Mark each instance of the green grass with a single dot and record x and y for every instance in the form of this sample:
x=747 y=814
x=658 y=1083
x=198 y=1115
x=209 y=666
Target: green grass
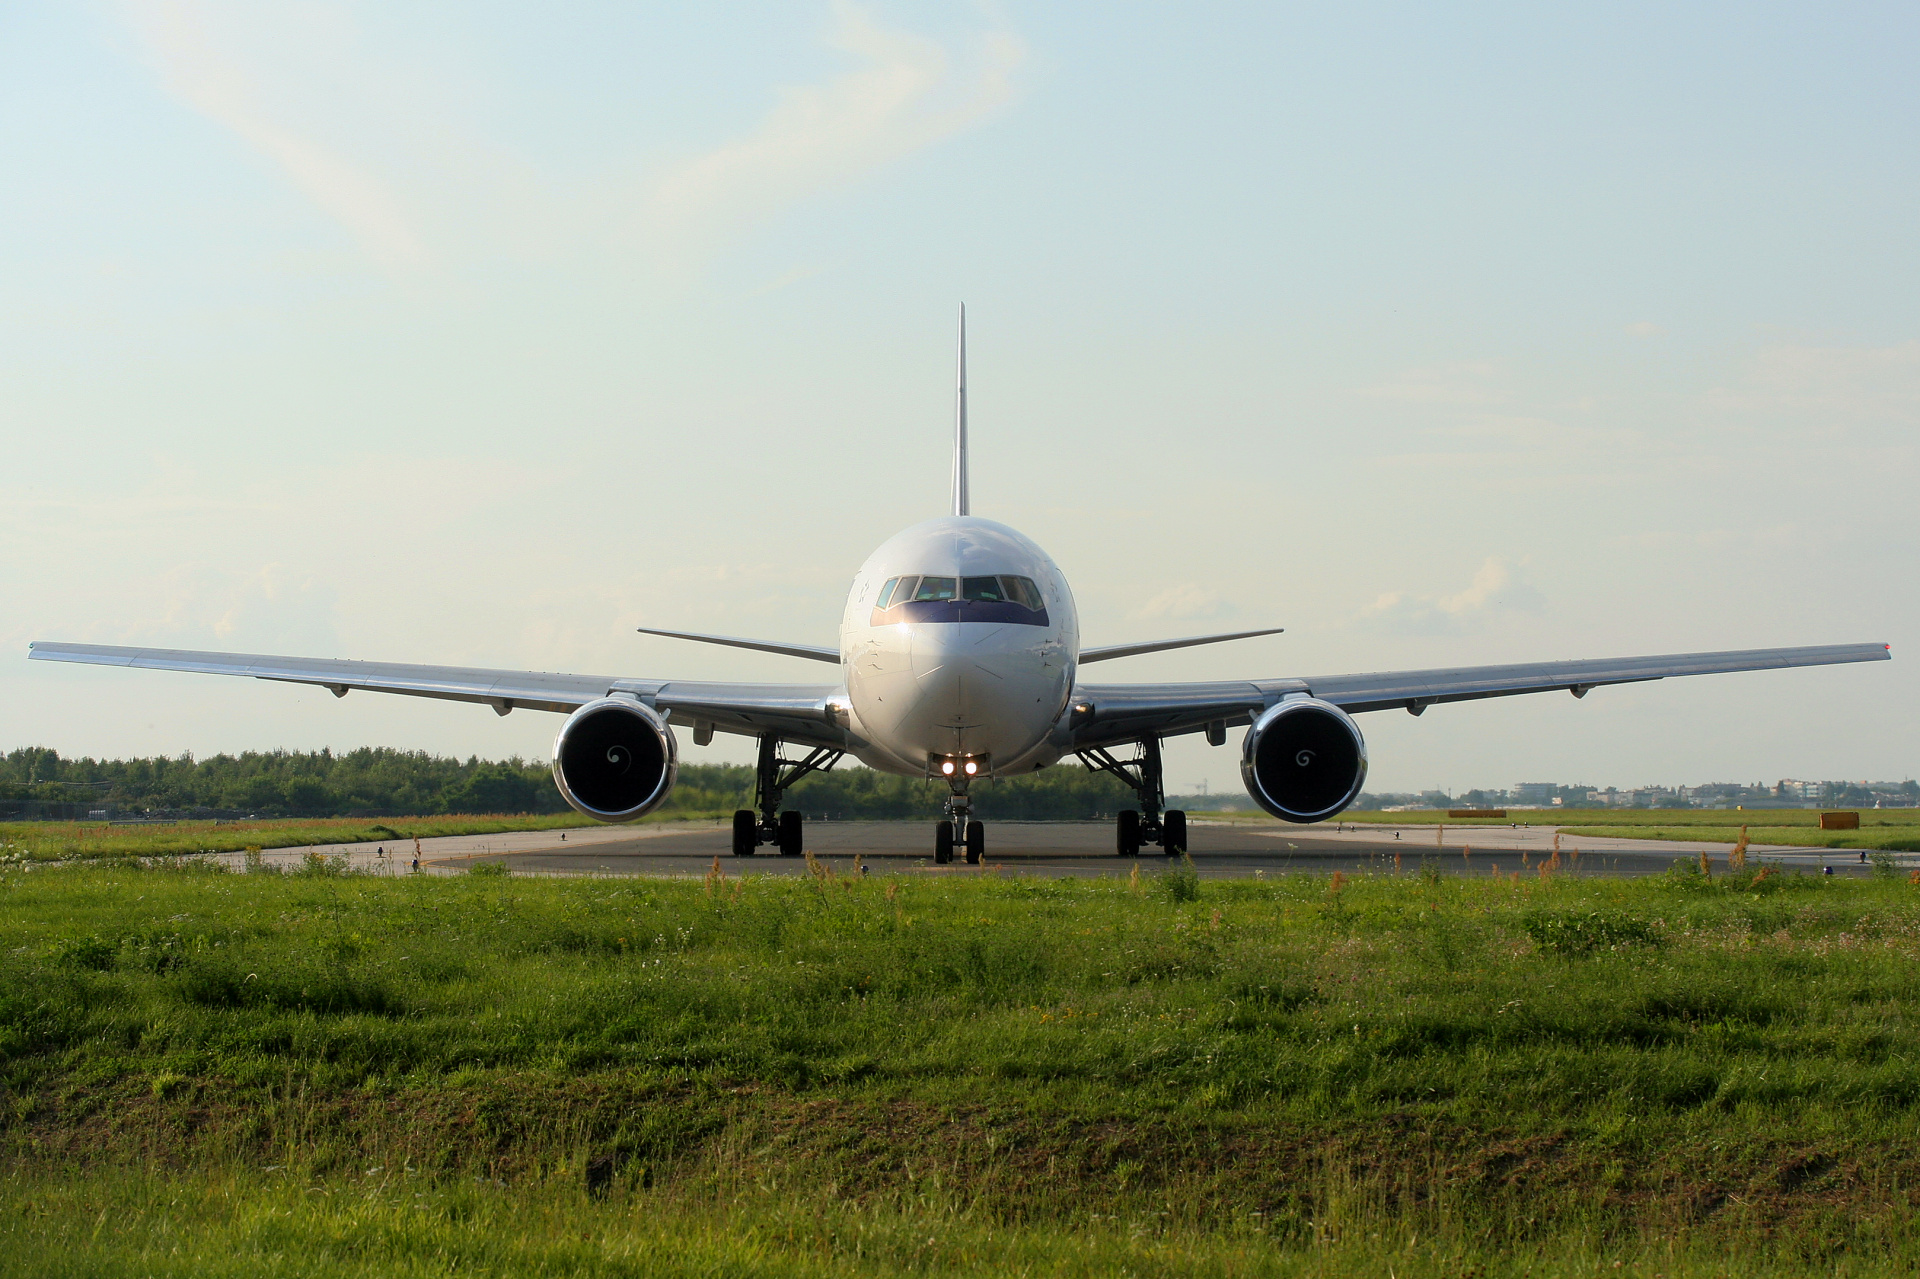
x=208 y=1073
x=1887 y=828
x=152 y=1223
x=62 y=841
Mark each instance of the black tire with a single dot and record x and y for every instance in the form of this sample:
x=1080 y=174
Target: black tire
x=976 y=843
x=793 y=839
x=943 y=843
x=746 y=833
x=1173 y=832
x=1127 y=833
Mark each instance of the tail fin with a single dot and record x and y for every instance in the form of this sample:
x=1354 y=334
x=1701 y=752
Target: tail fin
x=960 y=425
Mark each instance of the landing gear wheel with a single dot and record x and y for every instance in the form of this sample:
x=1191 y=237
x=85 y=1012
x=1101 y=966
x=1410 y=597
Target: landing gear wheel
x=746 y=833
x=792 y=841
x=943 y=843
x=976 y=843
x=1173 y=832
x=1127 y=833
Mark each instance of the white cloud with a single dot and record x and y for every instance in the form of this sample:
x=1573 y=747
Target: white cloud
x=787 y=279
x=299 y=85
x=903 y=98
x=181 y=37
x=1459 y=383
x=1185 y=600
x=275 y=608
x=1496 y=588
x=1836 y=381
x=1510 y=433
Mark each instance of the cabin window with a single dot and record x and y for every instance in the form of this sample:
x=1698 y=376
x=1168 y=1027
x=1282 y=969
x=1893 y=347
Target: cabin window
x=936 y=588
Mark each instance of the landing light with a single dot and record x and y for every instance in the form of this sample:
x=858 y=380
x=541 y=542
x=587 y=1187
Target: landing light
x=947 y=768
x=972 y=768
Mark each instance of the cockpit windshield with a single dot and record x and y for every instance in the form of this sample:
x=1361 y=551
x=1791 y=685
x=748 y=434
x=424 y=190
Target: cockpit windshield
x=1000 y=598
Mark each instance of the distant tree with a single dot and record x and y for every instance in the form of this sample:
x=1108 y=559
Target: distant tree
x=261 y=793
x=307 y=795
x=493 y=788
x=380 y=781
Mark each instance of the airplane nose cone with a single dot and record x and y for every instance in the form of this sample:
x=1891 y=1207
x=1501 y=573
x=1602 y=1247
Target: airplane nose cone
x=983 y=691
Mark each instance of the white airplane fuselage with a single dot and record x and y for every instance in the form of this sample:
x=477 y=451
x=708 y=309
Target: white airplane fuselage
x=958 y=644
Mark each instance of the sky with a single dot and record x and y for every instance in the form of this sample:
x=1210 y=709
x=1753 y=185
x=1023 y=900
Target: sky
x=483 y=333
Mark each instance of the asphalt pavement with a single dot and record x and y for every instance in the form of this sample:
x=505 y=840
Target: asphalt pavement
x=1087 y=849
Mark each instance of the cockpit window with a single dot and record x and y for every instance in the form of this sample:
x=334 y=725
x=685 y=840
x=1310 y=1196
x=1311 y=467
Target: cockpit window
x=1002 y=599
x=1022 y=591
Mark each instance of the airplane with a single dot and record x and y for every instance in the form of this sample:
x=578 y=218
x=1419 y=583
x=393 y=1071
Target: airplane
x=959 y=662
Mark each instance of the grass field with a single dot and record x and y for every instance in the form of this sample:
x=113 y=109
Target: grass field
x=1888 y=828
x=216 y=1074
x=61 y=841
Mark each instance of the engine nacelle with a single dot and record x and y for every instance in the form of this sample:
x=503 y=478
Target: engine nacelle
x=1305 y=760
x=615 y=760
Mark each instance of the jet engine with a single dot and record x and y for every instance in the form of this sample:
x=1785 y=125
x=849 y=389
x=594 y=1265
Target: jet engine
x=1305 y=760
x=615 y=760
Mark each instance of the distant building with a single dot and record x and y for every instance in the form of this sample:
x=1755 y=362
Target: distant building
x=1788 y=792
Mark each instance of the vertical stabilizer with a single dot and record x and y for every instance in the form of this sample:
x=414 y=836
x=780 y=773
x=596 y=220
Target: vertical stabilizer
x=960 y=425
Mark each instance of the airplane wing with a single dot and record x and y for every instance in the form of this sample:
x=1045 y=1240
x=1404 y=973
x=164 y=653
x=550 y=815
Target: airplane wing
x=797 y=712
x=812 y=652
x=1112 y=714
x=1110 y=651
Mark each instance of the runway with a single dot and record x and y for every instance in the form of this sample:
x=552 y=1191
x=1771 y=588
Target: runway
x=1055 y=849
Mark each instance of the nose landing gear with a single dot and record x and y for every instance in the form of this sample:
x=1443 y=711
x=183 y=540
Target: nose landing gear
x=770 y=784
x=1148 y=825
x=958 y=831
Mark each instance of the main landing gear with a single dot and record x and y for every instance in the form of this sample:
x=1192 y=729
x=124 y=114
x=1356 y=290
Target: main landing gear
x=1147 y=825
x=769 y=825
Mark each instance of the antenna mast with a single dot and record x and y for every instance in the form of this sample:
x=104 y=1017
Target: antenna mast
x=960 y=425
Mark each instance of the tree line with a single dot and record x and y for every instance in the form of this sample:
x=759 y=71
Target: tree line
x=384 y=782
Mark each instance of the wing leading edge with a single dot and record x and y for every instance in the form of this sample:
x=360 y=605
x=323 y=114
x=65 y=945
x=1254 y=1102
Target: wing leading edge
x=1110 y=651
x=798 y=712
x=811 y=652
x=1113 y=713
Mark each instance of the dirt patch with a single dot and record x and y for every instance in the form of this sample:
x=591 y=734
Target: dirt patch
x=1017 y=1162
